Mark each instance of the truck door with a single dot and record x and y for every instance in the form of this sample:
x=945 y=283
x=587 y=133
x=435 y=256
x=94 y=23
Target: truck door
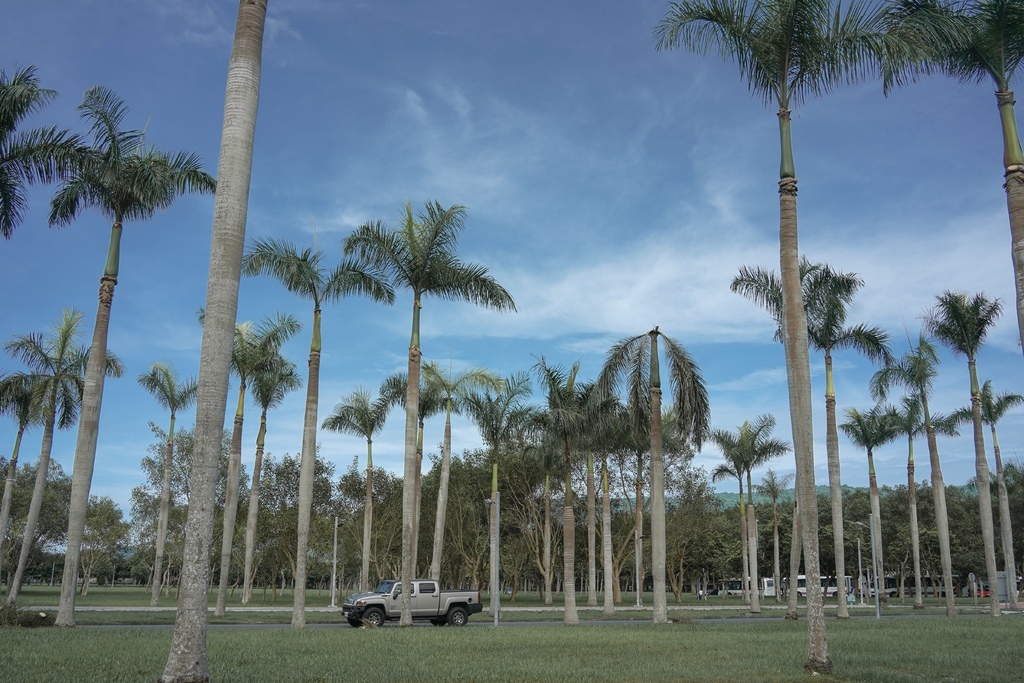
x=425 y=600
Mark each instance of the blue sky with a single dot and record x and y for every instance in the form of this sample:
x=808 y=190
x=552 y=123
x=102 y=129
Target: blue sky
x=609 y=187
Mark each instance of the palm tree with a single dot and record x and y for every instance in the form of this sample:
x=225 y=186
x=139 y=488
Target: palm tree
x=360 y=414
x=453 y=389
x=751 y=446
x=787 y=51
x=545 y=455
x=125 y=180
x=870 y=430
x=18 y=398
x=562 y=420
x=56 y=365
x=174 y=395
x=993 y=408
x=961 y=323
x=826 y=295
x=916 y=371
x=305 y=275
x=634 y=365
x=733 y=468
x=270 y=384
x=254 y=348
x=26 y=157
x=187 y=658
x=419 y=254
x=908 y=422
x=772 y=486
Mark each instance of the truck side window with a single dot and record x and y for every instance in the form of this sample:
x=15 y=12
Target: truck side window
x=427 y=588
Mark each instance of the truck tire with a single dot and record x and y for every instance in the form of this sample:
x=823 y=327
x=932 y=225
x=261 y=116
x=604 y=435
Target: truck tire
x=457 y=616
x=374 y=617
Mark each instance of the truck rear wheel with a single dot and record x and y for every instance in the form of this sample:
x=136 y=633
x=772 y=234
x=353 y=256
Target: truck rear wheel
x=374 y=617
x=457 y=616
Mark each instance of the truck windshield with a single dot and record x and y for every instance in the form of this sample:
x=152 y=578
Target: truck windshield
x=384 y=587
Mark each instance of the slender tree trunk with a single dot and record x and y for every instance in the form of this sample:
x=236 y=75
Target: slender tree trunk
x=755 y=600
x=657 y=495
x=492 y=519
x=416 y=507
x=915 y=534
x=307 y=470
x=548 y=598
x=591 y=533
x=367 y=518
x=984 y=491
x=442 y=497
x=777 y=575
x=876 y=523
x=412 y=400
x=88 y=432
x=744 y=553
x=795 y=552
x=165 y=512
x=230 y=504
x=835 y=486
x=1013 y=168
x=941 y=515
x=638 y=534
x=800 y=405
x=569 y=550
x=5 y=507
x=607 y=566
x=1005 y=528
x=34 y=507
x=186 y=662
x=254 y=510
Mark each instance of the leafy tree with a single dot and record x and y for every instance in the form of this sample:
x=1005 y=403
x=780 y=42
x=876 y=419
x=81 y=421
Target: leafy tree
x=961 y=323
x=18 y=398
x=51 y=520
x=362 y=415
x=772 y=487
x=26 y=157
x=270 y=385
x=419 y=254
x=174 y=395
x=125 y=180
x=105 y=535
x=187 y=658
x=306 y=275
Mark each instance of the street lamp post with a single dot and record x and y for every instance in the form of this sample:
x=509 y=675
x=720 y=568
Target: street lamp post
x=860 y=573
x=334 y=566
x=495 y=577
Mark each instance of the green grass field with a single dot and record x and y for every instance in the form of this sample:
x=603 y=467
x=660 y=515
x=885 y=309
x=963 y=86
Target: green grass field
x=962 y=650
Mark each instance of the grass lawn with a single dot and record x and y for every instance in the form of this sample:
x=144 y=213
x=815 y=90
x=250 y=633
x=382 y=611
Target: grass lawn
x=966 y=649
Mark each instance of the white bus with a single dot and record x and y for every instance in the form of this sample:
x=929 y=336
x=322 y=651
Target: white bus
x=831 y=590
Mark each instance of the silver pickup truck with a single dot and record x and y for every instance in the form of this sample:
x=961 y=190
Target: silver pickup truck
x=429 y=603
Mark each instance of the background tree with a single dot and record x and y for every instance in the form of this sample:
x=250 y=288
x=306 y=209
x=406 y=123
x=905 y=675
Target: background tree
x=362 y=415
x=105 y=537
x=125 y=180
x=305 y=275
x=174 y=395
x=18 y=398
x=772 y=487
x=419 y=255
x=26 y=157
x=186 y=661
x=908 y=422
x=961 y=323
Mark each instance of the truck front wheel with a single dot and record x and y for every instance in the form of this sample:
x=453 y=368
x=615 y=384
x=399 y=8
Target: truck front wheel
x=457 y=616
x=374 y=617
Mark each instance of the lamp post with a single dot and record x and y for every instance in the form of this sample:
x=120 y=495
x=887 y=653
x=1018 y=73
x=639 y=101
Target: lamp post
x=334 y=566
x=495 y=578
x=874 y=562
x=860 y=573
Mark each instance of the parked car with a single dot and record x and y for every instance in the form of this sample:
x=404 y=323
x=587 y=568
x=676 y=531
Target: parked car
x=428 y=602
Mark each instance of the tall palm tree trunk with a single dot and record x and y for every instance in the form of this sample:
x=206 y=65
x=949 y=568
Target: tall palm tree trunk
x=1005 y=528
x=777 y=569
x=915 y=535
x=984 y=491
x=492 y=520
x=835 y=486
x=5 y=507
x=88 y=433
x=795 y=552
x=416 y=507
x=638 y=533
x=161 y=525
x=1014 y=186
x=569 y=551
x=799 y=376
x=876 y=524
x=744 y=553
x=34 y=507
x=442 y=498
x=367 y=518
x=254 y=510
x=307 y=469
x=607 y=566
x=548 y=598
x=187 y=659
x=230 y=505
x=657 y=495
x=755 y=600
x=941 y=514
x=412 y=399
x=591 y=533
